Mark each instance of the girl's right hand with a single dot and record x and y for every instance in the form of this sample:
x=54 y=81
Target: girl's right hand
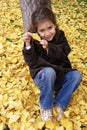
x=27 y=38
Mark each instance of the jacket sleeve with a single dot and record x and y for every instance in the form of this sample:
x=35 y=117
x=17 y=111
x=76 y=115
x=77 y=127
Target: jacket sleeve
x=30 y=56
x=61 y=49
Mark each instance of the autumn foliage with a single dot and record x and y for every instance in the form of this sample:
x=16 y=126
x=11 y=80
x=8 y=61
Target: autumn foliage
x=19 y=97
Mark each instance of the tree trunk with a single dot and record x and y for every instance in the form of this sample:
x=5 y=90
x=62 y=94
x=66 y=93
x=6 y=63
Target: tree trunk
x=27 y=8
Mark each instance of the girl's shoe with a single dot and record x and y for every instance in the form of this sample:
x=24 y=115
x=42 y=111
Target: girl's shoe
x=46 y=114
x=60 y=113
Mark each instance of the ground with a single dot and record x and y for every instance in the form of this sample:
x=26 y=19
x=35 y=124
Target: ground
x=19 y=97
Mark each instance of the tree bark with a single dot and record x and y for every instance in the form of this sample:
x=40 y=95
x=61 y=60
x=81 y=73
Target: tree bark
x=27 y=8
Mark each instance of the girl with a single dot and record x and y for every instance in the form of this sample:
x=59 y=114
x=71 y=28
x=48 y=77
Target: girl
x=49 y=65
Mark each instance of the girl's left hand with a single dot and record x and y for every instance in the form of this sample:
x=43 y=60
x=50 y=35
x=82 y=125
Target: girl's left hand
x=44 y=44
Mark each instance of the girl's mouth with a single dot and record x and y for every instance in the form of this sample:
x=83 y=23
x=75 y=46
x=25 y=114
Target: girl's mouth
x=49 y=38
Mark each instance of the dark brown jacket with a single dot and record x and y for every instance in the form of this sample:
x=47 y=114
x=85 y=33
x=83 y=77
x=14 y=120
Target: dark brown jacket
x=57 y=56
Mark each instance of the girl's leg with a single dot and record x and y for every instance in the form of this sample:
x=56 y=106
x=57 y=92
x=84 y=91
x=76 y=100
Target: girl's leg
x=45 y=79
x=69 y=84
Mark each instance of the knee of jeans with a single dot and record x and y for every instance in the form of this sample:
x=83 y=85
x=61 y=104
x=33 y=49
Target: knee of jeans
x=78 y=76
x=50 y=72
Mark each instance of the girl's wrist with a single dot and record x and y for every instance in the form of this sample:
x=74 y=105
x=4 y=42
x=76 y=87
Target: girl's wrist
x=27 y=44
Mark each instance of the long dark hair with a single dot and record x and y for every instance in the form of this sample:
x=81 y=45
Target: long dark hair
x=42 y=14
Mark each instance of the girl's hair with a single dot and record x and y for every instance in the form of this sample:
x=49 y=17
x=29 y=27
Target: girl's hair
x=42 y=14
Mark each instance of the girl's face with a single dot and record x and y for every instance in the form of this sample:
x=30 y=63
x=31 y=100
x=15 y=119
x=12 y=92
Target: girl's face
x=46 y=30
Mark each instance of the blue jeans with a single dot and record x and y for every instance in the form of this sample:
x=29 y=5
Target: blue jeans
x=54 y=91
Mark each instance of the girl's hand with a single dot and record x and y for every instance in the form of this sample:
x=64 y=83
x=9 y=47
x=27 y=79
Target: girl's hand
x=44 y=44
x=27 y=38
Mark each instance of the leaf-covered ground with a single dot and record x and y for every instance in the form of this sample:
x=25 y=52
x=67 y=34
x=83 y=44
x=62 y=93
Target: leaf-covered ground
x=19 y=97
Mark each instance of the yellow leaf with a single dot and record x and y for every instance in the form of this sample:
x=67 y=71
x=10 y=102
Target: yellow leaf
x=36 y=36
x=67 y=124
x=22 y=127
x=14 y=126
x=50 y=125
x=1 y=126
x=3 y=119
x=27 y=125
x=77 y=125
x=31 y=128
x=32 y=120
x=59 y=128
x=1 y=48
x=40 y=125
x=13 y=118
x=67 y=113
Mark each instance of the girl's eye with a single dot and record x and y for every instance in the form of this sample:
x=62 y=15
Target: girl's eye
x=42 y=30
x=50 y=27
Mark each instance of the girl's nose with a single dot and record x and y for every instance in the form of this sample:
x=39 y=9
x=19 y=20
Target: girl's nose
x=47 y=33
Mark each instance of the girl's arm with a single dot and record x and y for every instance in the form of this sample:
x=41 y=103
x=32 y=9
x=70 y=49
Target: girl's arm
x=29 y=51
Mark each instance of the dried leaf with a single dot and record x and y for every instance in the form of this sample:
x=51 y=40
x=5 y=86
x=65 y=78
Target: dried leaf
x=36 y=36
x=50 y=125
x=67 y=124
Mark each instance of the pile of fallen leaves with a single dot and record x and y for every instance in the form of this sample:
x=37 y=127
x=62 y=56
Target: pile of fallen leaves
x=19 y=97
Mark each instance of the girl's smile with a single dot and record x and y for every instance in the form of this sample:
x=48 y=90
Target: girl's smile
x=46 y=30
